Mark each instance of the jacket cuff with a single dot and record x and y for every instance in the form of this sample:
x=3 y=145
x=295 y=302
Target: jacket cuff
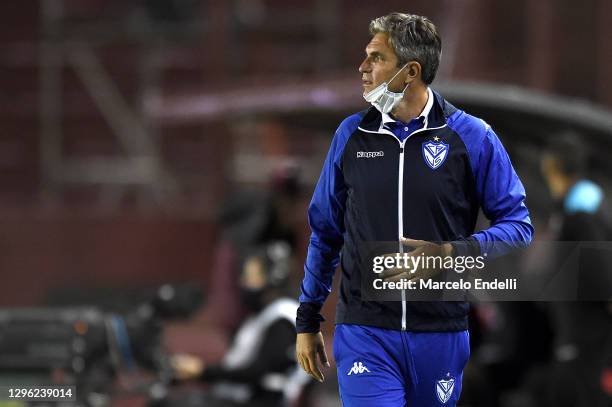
x=308 y=318
x=466 y=247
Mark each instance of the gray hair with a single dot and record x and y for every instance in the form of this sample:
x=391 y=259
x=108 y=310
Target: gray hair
x=413 y=38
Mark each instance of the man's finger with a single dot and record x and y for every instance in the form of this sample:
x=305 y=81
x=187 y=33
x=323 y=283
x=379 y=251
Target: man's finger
x=308 y=369
x=392 y=255
x=406 y=241
x=314 y=367
x=398 y=277
x=301 y=363
x=306 y=366
x=323 y=356
x=416 y=252
x=389 y=273
x=303 y=360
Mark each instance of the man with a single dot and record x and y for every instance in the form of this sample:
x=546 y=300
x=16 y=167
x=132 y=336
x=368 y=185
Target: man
x=412 y=166
x=580 y=359
x=260 y=368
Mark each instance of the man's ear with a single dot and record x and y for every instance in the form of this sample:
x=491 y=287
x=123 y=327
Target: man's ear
x=413 y=71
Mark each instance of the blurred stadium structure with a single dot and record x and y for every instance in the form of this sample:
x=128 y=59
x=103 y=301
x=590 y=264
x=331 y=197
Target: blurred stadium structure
x=136 y=118
x=124 y=124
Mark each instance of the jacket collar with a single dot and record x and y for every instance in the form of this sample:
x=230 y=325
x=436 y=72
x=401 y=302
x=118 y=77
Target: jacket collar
x=424 y=113
x=433 y=112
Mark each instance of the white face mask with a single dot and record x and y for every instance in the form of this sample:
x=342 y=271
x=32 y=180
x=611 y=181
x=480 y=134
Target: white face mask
x=382 y=98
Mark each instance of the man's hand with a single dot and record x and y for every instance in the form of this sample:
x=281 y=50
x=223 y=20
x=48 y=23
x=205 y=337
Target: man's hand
x=309 y=348
x=421 y=248
x=186 y=367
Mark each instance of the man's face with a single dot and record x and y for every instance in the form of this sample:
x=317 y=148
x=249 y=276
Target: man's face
x=253 y=274
x=550 y=168
x=379 y=65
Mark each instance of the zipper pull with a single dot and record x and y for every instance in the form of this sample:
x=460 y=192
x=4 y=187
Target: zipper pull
x=401 y=149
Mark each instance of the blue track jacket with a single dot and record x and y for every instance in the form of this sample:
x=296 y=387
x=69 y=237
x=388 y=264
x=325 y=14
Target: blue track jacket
x=374 y=187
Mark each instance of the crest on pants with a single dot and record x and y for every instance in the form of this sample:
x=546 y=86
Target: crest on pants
x=444 y=388
x=434 y=153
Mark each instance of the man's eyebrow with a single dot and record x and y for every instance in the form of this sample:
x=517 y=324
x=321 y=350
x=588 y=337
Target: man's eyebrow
x=373 y=53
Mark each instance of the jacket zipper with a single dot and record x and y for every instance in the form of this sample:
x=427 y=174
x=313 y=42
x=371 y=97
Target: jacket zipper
x=400 y=219
x=400 y=197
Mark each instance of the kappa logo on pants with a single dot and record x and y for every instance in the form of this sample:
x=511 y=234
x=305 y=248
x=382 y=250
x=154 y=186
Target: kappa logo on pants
x=358 y=368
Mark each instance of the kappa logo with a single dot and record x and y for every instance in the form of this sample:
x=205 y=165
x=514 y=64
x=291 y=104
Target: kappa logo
x=370 y=154
x=358 y=368
x=435 y=153
x=444 y=388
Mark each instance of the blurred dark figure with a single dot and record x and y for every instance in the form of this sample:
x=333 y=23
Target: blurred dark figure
x=249 y=218
x=582 y=329
x=260 y=368
x=508 y=339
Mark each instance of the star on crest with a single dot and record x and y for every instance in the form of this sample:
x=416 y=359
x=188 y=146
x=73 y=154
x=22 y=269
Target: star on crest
x=436 y=138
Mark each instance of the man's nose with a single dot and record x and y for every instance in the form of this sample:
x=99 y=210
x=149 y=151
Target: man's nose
x=365 y=66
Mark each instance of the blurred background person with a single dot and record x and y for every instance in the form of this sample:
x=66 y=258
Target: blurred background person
x=582 y=211
x=260 y=368
x=582 y=329
x=250 y=217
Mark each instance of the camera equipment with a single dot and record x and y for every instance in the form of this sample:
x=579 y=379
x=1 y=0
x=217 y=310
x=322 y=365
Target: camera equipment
x=88 y=346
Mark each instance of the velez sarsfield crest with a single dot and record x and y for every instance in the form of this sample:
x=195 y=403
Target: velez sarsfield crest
x=435 y=153
x=444 y=389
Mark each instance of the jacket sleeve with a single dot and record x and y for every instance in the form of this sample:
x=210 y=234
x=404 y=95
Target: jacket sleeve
x=274 y=355
x=326 y=220
x=502 y=198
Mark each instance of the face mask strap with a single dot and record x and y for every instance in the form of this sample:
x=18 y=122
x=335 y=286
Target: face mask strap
x=397 y=73
x=391 y=80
